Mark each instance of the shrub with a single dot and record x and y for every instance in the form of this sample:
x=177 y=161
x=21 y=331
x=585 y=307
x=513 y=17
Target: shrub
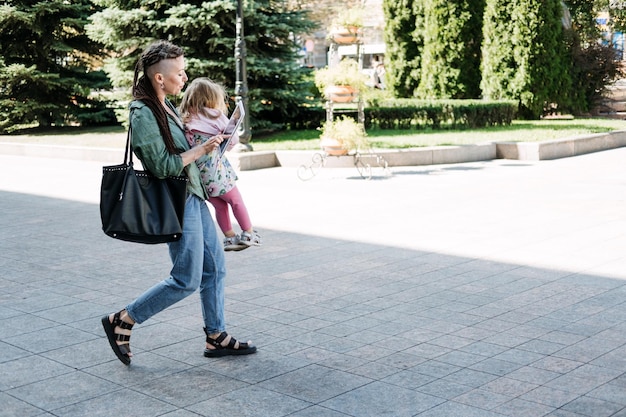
x=439 y=114
x=420 y=114
x=347 y=131
x=595 y=66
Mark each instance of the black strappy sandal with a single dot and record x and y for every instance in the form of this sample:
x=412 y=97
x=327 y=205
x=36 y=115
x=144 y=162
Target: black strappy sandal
x=122 y=350
x=243 y=349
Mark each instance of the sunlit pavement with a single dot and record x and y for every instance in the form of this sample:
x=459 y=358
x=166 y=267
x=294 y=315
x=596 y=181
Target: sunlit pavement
x=477 y=289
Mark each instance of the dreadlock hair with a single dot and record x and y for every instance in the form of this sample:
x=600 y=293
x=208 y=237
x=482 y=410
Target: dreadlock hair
x=144 y=91
x=202 y=94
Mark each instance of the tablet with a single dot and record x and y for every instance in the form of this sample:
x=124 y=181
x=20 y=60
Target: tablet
x=236 y=118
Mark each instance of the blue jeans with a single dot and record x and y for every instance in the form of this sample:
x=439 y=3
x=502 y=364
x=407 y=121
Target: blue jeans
x=198 y=262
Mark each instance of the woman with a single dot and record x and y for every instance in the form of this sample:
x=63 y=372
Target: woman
x=158 y=140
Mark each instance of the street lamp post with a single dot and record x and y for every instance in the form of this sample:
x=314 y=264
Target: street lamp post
x=241 y=83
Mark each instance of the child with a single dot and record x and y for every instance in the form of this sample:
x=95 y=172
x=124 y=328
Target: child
x=203 y=110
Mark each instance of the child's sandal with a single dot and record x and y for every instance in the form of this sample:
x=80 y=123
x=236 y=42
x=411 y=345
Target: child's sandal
x=244 y=348
x=122 y=350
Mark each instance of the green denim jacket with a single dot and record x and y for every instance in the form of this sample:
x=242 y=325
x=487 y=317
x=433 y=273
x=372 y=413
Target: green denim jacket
x=149 y=147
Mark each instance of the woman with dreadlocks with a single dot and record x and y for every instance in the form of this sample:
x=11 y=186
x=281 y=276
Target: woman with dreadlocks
x=158 y=139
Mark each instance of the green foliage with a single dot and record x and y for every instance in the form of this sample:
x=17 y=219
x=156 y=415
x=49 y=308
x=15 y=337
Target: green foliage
x=550 y=81
x=518 y=131
x=618 y=14
x=346 y=73
x=525 y=52
x=439 y=114
x=451 y=54
x=206 y=30
x=404 y=40
x=433 y=48
x=594 y=67
x=347 y=131
x=594 y=64
x=498 y=64
x=583 y=15
x=51 y=72
x=524 y=55
x=412 y=114
x=48 y=71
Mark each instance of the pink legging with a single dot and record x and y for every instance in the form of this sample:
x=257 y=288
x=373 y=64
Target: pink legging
x=234 y=199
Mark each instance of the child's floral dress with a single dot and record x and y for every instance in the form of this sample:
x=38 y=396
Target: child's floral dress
x=218 y=176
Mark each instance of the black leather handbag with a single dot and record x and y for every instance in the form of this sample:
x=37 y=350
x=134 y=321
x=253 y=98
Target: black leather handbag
x=136 y=206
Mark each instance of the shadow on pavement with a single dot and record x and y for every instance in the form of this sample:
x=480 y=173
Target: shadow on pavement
x=343 y=329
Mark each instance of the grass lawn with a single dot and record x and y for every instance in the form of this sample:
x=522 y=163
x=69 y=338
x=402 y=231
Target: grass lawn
x=519 y=131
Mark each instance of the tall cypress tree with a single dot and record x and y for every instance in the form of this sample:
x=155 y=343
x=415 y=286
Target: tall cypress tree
x=48 y=65
x=404 y=40
x=206 y=31
x=498 y=60
x=524 y=54
x=451 y=56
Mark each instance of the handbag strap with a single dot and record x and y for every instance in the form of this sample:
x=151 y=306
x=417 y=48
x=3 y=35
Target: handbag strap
x=128 y=153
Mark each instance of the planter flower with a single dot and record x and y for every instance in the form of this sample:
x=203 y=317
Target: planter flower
x=342 y=82
x=346 y=27
x=343 y=135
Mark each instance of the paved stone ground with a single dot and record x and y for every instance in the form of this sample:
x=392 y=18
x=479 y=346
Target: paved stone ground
x=481 y=289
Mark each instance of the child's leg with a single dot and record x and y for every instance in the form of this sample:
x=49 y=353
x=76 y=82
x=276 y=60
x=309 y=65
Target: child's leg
x=249 y=237
x=222 y=215
x=234 y=199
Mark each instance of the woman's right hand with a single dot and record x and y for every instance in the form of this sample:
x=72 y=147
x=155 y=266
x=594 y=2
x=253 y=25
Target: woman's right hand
x=212 y=144
x=203 y=149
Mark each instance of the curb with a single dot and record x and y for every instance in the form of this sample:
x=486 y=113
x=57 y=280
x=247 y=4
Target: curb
x=561 y=148
x=247 y=161
x=112 y=155
x=525 y=151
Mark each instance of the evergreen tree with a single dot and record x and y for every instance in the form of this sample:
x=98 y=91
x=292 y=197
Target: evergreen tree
x=595 y=65
x=404 y=39
x=206 y=31
x=583 y=14
x=524 y=55
x=48 y=67
x=498 y=61
x=451 y=54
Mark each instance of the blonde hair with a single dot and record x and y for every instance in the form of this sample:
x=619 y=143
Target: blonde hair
x=203 y=93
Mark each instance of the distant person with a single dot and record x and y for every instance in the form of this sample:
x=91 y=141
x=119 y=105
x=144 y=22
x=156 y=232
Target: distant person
x=378 y=75
x=203 y=109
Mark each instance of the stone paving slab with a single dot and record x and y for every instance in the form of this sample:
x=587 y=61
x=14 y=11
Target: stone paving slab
x=482 y=289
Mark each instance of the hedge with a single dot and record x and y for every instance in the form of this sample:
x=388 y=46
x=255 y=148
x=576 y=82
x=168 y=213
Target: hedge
x=439 y=114
x=412 y=114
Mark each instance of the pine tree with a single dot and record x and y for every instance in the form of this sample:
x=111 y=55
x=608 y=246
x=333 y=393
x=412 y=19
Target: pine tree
x=48 y=67
x=450 y=64
x=206 y=31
